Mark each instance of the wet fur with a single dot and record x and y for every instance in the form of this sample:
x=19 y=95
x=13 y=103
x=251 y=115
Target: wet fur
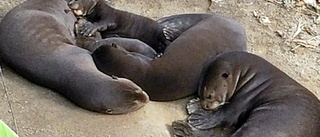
x=176 y=73
x=95 y=41
x=38 y=42
x=263 y=100
x=110 y=21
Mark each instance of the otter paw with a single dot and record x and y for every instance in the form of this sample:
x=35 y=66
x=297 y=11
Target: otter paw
x=182 y=129
x=193 y=105
x=88 y=29
x=202 y=119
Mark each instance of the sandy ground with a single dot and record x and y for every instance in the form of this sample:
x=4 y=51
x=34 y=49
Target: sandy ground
x=35 y=111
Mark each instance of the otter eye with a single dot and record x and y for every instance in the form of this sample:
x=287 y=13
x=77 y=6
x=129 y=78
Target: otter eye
x=114 y=45
x=109 y=111
x=225 y=75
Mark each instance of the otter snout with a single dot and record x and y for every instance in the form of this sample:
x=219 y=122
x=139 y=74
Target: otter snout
x=76 y=8
x=207 y=105
x=144 y=97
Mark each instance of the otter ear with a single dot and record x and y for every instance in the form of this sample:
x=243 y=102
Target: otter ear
x=225 y=75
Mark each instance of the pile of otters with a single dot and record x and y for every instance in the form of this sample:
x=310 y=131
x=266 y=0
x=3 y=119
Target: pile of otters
x=111 y=61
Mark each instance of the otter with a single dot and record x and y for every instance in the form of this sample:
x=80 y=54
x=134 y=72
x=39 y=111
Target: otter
x=244 y=90
x=38 y=42
x=109 y=21
x=176 y=73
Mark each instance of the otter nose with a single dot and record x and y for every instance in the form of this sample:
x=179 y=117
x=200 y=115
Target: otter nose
x=211 y=105
x=143 y=97
x=206 y=107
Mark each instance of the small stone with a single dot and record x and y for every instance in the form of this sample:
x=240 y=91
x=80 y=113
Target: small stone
x=255 y=14
x=264 y=19
x=280 y=33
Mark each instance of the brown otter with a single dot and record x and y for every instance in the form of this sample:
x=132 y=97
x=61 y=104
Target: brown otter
x=41 y=48
x=177 y=72
x=91 y=43
x=110 y=21
x=256 y=97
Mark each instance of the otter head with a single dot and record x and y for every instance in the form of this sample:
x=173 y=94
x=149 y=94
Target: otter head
x=110 y=53
x=82 y=7
x=129 y=97
x=110 y=59
x=216 y=85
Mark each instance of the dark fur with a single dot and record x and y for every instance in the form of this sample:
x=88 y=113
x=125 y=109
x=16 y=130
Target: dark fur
x=110 y=21
x=38 y=42
x=176 y=74
x=175 y=25
x=262 y=100
x=93 y=42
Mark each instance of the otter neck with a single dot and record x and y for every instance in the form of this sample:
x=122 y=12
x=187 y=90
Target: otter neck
x=251 y=81
x=101 y=11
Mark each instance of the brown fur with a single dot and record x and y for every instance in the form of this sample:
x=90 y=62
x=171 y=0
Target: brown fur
x=38 y=42
x=262 y=101
x=110 y=21
x=176 y=73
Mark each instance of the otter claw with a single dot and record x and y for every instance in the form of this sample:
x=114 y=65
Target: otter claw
x=182 y=129
x=193 y=105
x=202 y=119
x=87 y=29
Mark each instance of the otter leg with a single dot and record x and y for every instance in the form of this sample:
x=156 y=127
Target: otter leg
x=184 y=129
x=88 y=29
x=227 y=115
x=131 y=45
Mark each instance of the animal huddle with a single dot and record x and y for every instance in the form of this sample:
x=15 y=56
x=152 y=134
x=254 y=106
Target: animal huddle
x=111 y=61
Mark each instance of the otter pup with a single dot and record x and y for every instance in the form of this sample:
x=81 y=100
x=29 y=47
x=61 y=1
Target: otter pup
x=109 y=22
x=95 y=41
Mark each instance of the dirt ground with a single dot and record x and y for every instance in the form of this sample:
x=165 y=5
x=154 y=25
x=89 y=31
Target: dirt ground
x=285 y=32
